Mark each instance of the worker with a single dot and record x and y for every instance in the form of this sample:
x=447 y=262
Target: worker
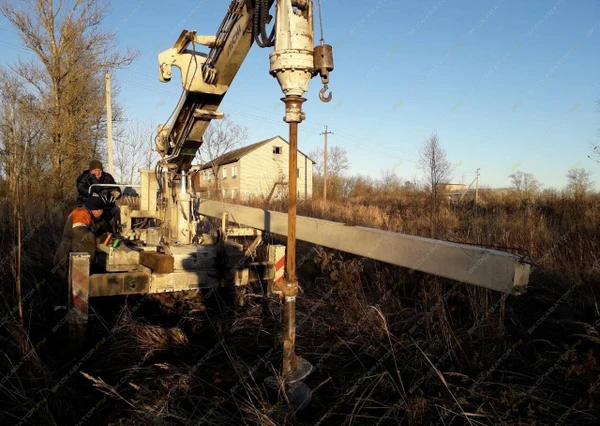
x=79 y=234
x=95 y=175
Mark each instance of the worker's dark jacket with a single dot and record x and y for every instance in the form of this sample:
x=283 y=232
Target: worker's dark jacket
x=86 y=179
x=78 y=236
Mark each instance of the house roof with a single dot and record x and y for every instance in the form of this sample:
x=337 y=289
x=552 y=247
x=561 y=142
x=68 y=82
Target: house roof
x=236 y=154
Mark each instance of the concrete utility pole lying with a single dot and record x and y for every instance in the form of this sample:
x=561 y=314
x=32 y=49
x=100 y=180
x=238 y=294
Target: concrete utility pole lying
x=491 y=269
x=482 y=267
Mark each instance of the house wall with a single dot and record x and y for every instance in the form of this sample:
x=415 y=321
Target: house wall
x=257 y=173
x=228 y=182
x=261 y=169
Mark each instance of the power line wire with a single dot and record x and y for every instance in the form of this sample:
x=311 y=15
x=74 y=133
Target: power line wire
x=263 y=119
x=14 y=46
x=361 y=143
x=9 y=31
x=317 y=126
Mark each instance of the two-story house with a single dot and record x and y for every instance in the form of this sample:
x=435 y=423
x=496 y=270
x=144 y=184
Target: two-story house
x=258 y=170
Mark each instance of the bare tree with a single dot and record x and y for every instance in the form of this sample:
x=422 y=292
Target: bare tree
x=337 y=164
x=358 y=186
x=221 y=137
x=21 y=133
x=390 y=183
x=337 y=160
x=435 y=165
x=525 y=183
x=438 y=170
x=595 y=155
x=579 y=182
x=349 y=186
x=411 y=185
x=71 y=54
x=134 y=150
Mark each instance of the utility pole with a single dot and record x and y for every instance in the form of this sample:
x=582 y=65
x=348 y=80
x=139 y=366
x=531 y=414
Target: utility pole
x=109 y=125
x=326 y=132
x=477 y=185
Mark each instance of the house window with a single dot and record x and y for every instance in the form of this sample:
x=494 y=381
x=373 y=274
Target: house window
x=298 y=172
x=208 y=175
x=224 y=172
x=233 y=171
x=233 y=193
x=224 y=192
x=276 y=150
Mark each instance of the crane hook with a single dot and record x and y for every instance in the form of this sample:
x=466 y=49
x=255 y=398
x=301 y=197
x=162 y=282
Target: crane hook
x=322 y=94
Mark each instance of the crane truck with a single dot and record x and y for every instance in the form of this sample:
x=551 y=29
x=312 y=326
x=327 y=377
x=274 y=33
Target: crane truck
x=164 y=249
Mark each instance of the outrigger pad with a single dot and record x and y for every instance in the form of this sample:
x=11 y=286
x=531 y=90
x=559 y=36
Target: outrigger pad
x=160 y=263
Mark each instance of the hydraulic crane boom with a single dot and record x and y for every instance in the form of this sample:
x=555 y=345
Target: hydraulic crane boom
x=207 y=77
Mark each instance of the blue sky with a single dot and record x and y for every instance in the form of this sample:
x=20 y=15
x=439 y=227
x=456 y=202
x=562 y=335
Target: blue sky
x=507 y=84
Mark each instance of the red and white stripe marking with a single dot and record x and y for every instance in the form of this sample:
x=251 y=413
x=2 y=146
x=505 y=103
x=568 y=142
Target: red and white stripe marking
x=277 y=256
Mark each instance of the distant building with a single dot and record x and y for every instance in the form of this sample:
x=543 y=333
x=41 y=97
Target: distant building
x=257 y=170
x=457 y=191
x=445 y=188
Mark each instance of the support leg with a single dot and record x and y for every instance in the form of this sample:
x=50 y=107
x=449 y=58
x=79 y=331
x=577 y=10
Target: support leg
x=79 y=293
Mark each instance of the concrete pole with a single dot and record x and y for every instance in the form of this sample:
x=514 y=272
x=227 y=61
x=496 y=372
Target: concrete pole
x=467 y=190
x=325 y=164
x=325 y=168
x=109 y=125
x=477 y=186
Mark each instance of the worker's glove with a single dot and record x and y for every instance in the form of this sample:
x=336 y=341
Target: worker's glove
x=110 y=196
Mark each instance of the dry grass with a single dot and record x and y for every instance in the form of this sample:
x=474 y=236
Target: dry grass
x=388 y=347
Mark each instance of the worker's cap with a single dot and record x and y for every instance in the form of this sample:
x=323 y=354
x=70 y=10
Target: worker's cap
x=95 y=164
x=94 y=203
